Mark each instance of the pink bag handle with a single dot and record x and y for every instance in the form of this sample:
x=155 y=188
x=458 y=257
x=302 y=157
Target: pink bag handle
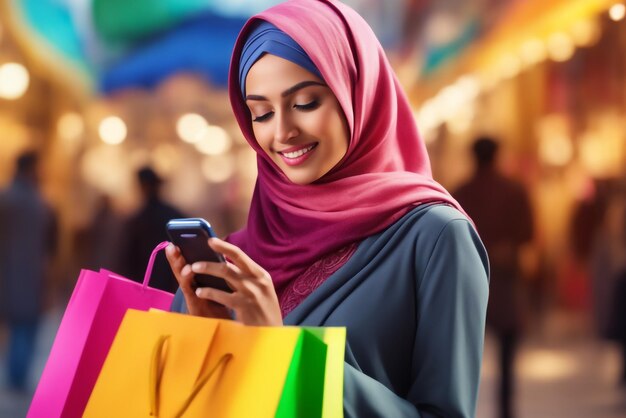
x=146 y=278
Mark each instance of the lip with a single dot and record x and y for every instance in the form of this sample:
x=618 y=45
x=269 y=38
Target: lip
x=300 y=159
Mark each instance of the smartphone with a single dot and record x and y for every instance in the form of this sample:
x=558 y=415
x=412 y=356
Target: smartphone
x=191 y=236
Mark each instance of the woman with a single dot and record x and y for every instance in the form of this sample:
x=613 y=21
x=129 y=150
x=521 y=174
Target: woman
x=346 y=225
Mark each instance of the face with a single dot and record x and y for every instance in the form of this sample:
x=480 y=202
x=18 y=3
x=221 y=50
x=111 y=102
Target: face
x=296 y=119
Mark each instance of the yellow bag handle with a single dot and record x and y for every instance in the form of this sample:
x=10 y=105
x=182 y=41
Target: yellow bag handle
x=156 y=372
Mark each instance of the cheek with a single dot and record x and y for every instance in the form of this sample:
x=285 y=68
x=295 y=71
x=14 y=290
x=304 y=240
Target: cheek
x=262 y=136
x=329 y=122
x=338 y=131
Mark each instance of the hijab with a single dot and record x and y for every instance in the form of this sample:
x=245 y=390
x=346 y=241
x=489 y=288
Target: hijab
x=386 y=170
x=266 y=38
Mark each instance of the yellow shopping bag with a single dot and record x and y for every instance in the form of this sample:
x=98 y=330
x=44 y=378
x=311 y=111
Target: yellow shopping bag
x=167 y=365
x=335 y=339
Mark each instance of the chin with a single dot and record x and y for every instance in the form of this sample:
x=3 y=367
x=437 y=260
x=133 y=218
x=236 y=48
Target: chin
x=300 y=180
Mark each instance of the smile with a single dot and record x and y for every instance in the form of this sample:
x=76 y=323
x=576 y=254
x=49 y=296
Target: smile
x=297 y=156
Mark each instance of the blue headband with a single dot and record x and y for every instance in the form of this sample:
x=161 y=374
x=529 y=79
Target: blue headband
x=267 y=38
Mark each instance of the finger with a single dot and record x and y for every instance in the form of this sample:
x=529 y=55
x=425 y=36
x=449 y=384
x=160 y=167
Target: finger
x=174 y=257
x=185 y=279
x=215 y=295
x=223 y=270
x=177 y=264
x=226 y=271
x=237 y=256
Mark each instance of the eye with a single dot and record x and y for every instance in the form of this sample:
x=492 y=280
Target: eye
x=263 y=117
x=312 y=105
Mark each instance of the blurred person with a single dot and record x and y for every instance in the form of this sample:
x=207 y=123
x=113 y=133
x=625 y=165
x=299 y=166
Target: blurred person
x=617 y=331
x=501 y=210
x=608 y=274
x=27 y=241
x=144 y=230
x=347 y=226
x=101 y=239
x=608 y=259
x=585 y=225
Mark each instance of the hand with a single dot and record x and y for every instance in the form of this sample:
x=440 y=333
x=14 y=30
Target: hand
x=254 y=299
x=184 y=276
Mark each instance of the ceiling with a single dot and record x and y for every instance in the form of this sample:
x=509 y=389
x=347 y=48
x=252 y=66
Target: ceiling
x=112 y=44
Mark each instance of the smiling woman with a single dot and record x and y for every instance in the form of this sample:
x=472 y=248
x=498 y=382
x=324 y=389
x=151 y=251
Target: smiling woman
x=296 y=119
x=347 y=226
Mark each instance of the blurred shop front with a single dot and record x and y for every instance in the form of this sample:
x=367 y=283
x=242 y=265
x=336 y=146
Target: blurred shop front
x=549 y=81
x=94 y=135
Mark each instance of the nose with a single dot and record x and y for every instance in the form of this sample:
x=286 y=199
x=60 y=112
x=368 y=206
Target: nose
x=286 y=128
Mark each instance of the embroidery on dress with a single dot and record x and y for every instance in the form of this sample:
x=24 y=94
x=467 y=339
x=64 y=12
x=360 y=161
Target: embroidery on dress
x=312 y=278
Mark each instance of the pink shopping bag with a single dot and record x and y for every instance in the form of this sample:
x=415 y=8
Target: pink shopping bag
x=90 y=322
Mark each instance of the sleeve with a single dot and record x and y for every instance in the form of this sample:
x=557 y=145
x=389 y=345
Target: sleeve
x=451 y=298
x=178 y=304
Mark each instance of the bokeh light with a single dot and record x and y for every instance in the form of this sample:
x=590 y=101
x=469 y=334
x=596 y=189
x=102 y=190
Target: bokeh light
x=533 y=51
x=190 y=126
x=112 y=130
x=107 y=169
x=548 y=365
x=166 y=158
x=14 y=80
x=560 y=47
x=213 y=140
x=217 y=169
x=617 y=12
x=586 y=32
x=510 y=66
x=555 y=144
x=70 y=126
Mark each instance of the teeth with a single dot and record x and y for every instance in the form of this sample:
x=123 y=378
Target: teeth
x=298 y=153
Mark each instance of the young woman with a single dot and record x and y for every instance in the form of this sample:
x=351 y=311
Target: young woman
x=346 y=225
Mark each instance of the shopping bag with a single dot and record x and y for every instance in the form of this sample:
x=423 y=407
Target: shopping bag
x=335 y=339
x=87 y=330
x=168 y=365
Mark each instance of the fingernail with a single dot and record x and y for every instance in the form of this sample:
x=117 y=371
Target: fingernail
x=198 y=292
x=186 y=270
x=196 y=267
x=169 y=248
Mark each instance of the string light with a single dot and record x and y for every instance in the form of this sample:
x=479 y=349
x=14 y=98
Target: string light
x=533 y=51
x=560 y=47
x=585 y=32
x=510 y=66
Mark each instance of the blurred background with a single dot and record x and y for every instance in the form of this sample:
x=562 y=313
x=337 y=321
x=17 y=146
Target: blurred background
x=103 y=88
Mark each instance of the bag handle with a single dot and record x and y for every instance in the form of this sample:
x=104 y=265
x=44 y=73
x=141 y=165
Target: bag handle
x=159 y=247
x=156 y=373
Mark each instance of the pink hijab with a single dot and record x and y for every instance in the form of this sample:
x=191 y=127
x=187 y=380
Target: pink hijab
x=385 y=172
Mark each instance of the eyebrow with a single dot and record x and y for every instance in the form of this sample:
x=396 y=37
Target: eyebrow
x=289 y=91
